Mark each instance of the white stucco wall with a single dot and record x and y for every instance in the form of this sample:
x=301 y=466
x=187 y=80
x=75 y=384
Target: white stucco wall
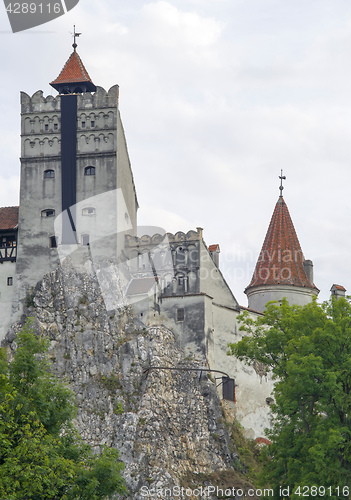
x=260 y=295
x=7 y=293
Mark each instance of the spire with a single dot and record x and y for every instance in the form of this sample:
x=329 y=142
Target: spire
x=281 y=187
x=75 y=35
x=73 y=78
x=281 y=261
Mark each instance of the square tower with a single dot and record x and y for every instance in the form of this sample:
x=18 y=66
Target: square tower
x=77 y=194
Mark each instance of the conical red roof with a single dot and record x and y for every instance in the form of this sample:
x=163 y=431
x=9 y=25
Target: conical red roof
x=73 y=72
x=281 y=261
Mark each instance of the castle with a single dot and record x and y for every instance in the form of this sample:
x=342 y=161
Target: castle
x=78 y=201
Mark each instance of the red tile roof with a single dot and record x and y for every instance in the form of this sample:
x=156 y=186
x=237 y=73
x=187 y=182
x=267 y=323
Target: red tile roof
x=339 y=287
x=8 y=218
x=213 y=248
x=73 y=71
x=281 y=260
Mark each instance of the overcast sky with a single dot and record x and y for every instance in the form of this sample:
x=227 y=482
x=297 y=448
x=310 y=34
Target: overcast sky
x=216 y=96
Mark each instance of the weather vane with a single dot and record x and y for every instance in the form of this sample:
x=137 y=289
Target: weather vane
x=281 y=187
x=75 y=35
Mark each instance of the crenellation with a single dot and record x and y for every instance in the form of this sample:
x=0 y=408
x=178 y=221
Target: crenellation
x=39 y=103
x=134 y=241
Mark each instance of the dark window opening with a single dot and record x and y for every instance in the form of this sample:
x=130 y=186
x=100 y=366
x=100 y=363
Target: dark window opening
x=89 y=171
x=53 y=242
x=228 y=385
x=10 y=281
x=49 y=212
x=49 y=174
x=8 y=241
x=92 y=123
x=55 y=126
x=88 y=211
x=180 y=314
x=83 y=124
x=46 y=128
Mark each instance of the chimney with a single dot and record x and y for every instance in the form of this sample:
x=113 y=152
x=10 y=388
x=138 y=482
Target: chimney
x=337 y=291
x=214 y=252
x=308 y=267
x=199 y=232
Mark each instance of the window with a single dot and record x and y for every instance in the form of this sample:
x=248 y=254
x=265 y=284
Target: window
x=85 y=240
x=180 y=314
x=52 y=242
x=89 y=171
x=49 y=174
x=92 y=123
x=10 y=281
x=55 y=126
x=49 y=212
x=228 y=385
x=83 y=124
x=46 y=127
x=89 y=211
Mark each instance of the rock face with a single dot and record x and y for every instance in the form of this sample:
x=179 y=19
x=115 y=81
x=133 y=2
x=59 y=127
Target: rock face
x=165 y=423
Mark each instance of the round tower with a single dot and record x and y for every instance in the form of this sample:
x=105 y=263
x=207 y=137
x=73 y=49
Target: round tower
x=281 y=269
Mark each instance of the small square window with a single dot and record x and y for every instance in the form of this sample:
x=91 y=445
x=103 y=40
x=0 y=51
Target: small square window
x=92 y=123
x=46 y=127
x=55 y=126
x=10 y=281
x=83 y=124
x=180 y=314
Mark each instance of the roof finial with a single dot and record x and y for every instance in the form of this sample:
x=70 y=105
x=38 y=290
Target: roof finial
x=281 y=187
x=74 y=45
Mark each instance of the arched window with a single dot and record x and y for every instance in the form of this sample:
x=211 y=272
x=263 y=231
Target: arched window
x=89 y=171
x=89 y=211
x=49 y=174
x=48 y=212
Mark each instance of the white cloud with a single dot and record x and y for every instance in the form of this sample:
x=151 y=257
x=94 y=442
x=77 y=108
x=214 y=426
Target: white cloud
x=178 y=29
x=9 y=191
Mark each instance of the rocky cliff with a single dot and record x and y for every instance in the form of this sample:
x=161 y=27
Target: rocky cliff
x=167 y=424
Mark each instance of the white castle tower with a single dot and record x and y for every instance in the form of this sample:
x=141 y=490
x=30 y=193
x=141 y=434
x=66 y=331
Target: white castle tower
x=77 y=191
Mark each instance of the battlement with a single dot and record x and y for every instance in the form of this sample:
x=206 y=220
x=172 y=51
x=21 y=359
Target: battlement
x=156 y=239
x=40 y=104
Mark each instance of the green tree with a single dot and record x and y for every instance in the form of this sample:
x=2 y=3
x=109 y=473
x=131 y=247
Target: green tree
x=41 y=454
x=308 y=350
